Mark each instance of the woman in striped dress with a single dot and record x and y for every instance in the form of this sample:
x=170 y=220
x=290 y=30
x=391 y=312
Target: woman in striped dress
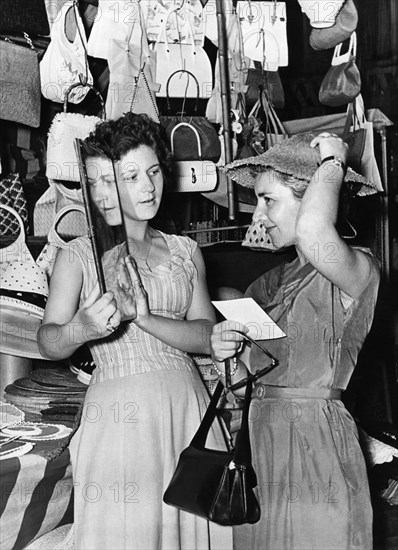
x=146 y=398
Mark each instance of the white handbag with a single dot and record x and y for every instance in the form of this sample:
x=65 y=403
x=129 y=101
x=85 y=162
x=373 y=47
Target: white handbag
x=65 y=128
x=192 y=175
x=65 y=63
x=264 y=32
x=172 y=57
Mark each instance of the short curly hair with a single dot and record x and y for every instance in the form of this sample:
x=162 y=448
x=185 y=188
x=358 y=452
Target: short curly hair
x=115 y=138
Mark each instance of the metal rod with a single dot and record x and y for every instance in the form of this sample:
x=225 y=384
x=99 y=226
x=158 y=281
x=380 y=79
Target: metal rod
x=225 y=101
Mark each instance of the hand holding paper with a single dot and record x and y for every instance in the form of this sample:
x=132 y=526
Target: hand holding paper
x=249 y=313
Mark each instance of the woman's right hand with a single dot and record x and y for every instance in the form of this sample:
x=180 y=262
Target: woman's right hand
x=224 y=341
x=98 y=315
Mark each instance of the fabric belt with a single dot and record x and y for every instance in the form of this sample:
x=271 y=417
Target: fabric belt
x=262 y=391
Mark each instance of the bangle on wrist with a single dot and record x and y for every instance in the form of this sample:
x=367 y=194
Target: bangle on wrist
x=335 y=160
x=233 y=370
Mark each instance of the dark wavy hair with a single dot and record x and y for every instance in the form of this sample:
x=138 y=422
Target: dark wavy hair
x=115 y=138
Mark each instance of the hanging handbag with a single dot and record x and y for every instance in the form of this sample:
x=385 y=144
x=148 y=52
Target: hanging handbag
x=65 y=62
x=264 y=32
x=19 y=16
x=61 y=155
x=191 y=175
x=132 y=67
x=12 y=194
x=342 y=82
x=184 y=143
x=345 y=24
x=217 y=485
x=20 y=99
x=174 y=57
x=47 y=256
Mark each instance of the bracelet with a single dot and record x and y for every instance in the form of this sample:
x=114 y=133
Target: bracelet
x=233 y=370
x=337 y=161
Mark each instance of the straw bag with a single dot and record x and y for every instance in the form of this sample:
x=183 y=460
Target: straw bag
x=47 y=256
x=65 y=63
x=342 y=82
x=345 y=24
x=20 y=99
x=173 y=57
x=65 y=127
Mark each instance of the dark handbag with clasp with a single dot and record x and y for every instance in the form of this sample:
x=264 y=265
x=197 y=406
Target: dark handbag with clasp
x=185 y=141
x=219 y=485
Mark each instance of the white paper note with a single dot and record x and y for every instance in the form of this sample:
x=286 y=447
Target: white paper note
x=249 y=313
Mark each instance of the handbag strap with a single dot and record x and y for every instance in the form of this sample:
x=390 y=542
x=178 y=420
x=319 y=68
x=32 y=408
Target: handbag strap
x=185 y=95
x=194 y=130
x=339 y=58
x=21 y=237
x=85 y=85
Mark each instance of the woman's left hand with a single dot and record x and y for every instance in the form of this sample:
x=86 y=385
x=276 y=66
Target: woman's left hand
x=330 y=145
x=131 y=296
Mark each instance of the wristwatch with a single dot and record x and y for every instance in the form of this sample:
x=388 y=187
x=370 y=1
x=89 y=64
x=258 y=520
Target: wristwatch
x=337 y=161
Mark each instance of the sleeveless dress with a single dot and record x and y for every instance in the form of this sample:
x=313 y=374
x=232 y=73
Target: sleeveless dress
x=142 y=408
x=312 y=480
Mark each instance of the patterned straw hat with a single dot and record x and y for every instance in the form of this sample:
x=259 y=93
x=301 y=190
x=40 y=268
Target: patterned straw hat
x=293 y=157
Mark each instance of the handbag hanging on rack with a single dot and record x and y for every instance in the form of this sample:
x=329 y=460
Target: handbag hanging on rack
x=65 y=62
x=61 y=155
x=184 y=143
x=20 y=98
x=132 y=68
x=173 y=57
x=342 y=82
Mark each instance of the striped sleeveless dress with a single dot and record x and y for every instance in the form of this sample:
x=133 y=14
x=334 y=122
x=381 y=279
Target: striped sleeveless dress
x=144 y=403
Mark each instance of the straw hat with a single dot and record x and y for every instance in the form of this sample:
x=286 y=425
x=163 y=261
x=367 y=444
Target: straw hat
x=293 y=157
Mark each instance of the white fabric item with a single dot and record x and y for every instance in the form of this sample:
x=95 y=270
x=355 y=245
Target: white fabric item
x=65 y=63
x=114 y=21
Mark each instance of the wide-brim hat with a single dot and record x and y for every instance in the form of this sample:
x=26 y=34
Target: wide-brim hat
x=293 y=157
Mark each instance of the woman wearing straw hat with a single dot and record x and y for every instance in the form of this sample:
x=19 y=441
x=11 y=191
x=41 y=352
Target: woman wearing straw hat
x=312 y=481
x=145 y=398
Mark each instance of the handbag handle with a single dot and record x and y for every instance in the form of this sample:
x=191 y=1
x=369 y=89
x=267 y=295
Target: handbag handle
x=52 y=234
x=242 y=446
x=262 y=32
x=339 y=58
x=194 y=130
x=21 y=236
x=85 y=85
x=168 y=87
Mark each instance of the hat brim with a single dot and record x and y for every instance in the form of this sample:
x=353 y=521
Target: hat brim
x=292 y=157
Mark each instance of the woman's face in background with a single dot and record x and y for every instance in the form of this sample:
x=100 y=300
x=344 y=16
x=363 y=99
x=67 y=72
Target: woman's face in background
x=140 y=184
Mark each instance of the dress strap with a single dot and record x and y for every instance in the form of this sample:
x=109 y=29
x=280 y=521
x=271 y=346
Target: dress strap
x=262 y=391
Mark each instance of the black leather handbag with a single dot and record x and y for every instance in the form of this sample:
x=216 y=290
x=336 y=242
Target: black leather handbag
x=217 y=485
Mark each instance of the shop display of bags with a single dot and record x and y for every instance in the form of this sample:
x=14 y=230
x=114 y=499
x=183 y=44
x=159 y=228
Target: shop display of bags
x=342 y=82
x=20 y=99
x=65 y=61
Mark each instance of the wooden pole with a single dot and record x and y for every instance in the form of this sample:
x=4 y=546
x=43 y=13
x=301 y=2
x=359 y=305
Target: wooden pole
x=225 y=100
